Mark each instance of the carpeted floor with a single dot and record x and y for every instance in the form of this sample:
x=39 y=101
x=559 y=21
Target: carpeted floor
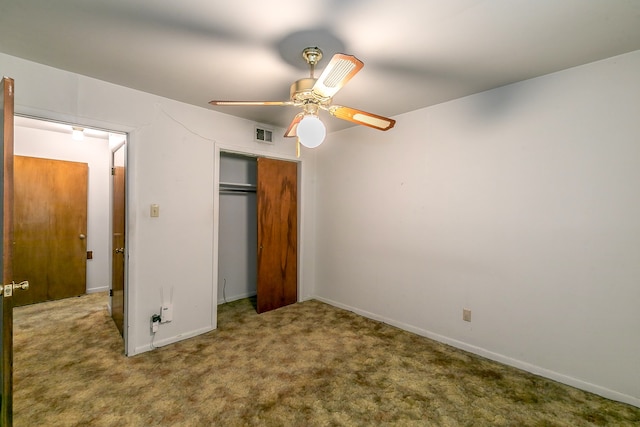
x=307 y=364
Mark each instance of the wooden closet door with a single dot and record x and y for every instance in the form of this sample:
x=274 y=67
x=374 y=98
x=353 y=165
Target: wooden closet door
x=277 y=234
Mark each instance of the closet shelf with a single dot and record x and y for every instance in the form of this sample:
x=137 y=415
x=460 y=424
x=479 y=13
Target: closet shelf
x=237 y=188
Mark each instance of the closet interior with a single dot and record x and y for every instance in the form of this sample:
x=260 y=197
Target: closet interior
x=237 y=235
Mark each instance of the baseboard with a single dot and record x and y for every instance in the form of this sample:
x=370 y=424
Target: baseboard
x=96 y=290
x=157 y=343
x=236 y=297
x=556 y=376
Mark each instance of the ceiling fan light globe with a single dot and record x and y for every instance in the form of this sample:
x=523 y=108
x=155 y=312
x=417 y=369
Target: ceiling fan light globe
x=311 y=131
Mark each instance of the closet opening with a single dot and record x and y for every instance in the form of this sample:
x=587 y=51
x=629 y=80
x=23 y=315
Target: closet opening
x=257 y=231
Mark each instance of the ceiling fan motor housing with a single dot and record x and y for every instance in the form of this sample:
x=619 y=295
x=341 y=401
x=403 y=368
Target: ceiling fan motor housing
x=301 y=91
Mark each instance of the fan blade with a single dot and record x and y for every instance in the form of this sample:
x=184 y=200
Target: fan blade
x=339 y=71
x=293 y=126
x=361 y=117
x=250 y=103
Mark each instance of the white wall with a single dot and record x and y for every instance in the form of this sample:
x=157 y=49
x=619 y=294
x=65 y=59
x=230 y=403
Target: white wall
x=521 y=204
x=95 y=152
x=171 y=160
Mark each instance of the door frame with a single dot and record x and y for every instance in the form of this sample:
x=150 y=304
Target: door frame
x=129 y=134
x=247 y=151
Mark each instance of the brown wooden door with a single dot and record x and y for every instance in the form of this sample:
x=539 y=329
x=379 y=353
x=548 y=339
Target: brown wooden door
x=6 y=303
x=50 y=228
x=277 y=234
x=118 y=255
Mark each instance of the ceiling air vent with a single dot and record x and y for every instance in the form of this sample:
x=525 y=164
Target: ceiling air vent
x=263 y=135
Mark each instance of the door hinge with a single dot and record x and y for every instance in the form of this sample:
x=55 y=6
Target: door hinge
x=7 y=290
x=110 y=292
x=113 y=171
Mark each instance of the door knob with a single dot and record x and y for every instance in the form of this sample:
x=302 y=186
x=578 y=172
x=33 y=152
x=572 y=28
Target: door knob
x=82 y=237
x=24 y=285
x=119 y=250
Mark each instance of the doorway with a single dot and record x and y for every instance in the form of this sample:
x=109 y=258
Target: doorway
x=47 y=139
x=257 y=238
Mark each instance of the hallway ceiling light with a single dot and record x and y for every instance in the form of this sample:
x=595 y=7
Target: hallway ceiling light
x=77 y=134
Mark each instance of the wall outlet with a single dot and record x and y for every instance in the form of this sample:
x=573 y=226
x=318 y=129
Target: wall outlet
x=155 y=323
x=466 y=315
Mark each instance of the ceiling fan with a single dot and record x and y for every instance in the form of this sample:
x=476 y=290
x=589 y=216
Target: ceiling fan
x=313 y=94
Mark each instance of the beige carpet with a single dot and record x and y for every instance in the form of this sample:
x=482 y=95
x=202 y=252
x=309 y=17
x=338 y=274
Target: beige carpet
x=308 y=364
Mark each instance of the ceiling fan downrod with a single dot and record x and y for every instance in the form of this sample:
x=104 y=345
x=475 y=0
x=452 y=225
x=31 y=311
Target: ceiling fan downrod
x=312 y=55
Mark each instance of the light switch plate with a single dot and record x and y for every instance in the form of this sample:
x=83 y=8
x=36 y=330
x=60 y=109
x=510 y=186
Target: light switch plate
x=155 y=211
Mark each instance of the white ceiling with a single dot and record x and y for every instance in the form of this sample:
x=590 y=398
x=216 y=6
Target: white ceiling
x=416 y=52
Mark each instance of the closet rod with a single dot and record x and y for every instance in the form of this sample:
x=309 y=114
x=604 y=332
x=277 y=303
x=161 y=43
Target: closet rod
x=230 y=187
x=235 y=191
